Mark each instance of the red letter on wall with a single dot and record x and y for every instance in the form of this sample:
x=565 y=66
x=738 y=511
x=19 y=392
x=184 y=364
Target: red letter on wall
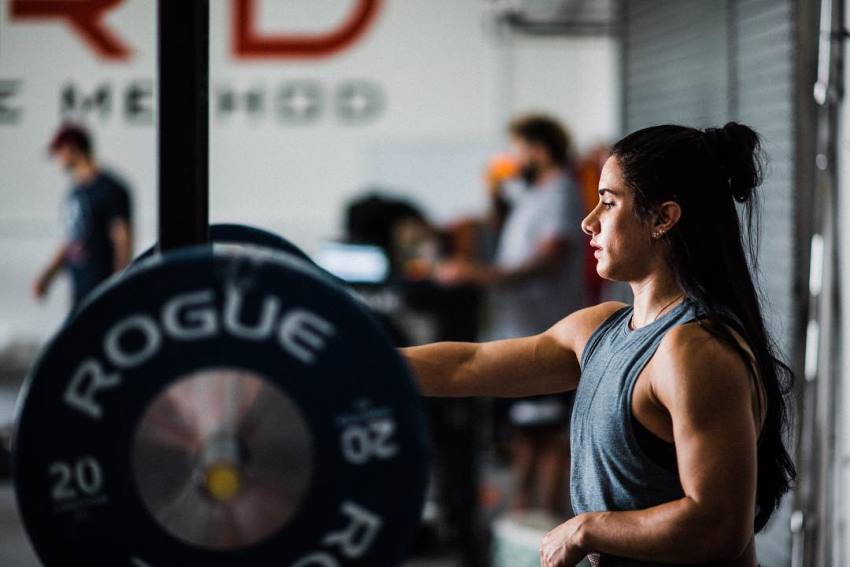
x=249 y=44
x=84 y=16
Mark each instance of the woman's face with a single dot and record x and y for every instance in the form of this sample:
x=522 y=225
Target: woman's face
x=623 y=244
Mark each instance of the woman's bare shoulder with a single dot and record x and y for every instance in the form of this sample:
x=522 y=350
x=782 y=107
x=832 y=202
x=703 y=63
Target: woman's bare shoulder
x=693 y=344
x=574 y=330
x=689 y=356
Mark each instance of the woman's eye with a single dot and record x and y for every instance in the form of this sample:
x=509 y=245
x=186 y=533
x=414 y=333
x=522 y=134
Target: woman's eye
x=607 y=205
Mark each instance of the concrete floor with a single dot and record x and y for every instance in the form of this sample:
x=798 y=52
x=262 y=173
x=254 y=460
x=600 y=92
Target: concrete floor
x=15 y=550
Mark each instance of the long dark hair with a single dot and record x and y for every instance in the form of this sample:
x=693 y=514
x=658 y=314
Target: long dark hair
x=707 y=172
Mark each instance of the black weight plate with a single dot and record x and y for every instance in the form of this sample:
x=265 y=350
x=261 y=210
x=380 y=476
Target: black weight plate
x=109 y=445
x=224 y=233
x=243 y=234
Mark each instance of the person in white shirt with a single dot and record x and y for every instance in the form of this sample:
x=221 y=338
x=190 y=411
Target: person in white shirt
x=536 y=279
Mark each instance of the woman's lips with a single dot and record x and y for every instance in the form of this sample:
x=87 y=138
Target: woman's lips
x=596 y=249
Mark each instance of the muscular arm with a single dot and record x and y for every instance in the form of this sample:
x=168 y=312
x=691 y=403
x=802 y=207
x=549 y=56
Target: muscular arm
x=708 y=392
x=122 y=243
x=540 y=364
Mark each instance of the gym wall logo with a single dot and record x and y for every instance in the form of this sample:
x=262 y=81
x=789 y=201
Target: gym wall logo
x=295 y=102
x=86 y=18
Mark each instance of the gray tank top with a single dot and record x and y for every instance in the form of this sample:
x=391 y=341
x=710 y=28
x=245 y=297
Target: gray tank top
x=610 y=470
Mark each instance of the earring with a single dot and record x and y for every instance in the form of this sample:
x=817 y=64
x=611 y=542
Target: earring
x=657 y=234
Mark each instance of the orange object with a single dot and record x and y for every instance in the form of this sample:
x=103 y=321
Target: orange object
x=588 y=172
x=502 y=167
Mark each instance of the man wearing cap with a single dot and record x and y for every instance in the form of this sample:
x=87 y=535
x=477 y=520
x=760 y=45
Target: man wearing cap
x=97 y=215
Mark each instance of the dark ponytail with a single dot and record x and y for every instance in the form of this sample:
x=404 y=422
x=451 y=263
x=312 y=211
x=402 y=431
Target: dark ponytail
x=737 y=150
x=706 y=172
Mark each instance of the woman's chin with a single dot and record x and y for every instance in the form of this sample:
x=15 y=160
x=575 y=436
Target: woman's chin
x=604 y=271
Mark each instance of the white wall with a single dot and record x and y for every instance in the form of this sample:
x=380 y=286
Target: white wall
x=448 y=84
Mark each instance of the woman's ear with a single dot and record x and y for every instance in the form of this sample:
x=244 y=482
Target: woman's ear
x=667 y=215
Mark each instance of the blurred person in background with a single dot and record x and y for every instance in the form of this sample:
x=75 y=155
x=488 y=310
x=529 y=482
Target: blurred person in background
x=396 y=225
x=97 y=213
x=536 y=278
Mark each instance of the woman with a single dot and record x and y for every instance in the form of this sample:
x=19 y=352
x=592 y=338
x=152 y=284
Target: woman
x=677 y=432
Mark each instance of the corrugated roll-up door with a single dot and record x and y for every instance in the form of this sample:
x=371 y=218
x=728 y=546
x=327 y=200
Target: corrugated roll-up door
x=763 y=96
x=675 y=63
x=764 y=99
x=703 y=63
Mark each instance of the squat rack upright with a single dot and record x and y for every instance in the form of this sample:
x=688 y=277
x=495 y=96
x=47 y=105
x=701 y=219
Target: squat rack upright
x=183 y=122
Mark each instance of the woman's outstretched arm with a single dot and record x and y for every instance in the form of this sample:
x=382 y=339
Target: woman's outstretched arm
x=540 y=364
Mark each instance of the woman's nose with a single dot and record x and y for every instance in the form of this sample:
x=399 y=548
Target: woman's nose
x=588 y=224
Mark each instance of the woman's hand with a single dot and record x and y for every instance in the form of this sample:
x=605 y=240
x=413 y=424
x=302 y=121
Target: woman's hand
x=565 y=546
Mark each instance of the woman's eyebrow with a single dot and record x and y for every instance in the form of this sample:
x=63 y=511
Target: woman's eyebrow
x=603 y=190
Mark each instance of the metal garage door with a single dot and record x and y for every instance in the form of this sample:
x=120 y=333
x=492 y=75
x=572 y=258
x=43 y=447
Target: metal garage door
x=703 y=63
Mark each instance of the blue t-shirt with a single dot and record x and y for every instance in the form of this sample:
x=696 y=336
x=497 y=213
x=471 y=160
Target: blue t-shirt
x=90 y=211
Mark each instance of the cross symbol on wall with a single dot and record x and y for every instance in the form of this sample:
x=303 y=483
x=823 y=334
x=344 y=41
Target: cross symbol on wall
x=355 y=102
x=359 y=102
x=300 y=102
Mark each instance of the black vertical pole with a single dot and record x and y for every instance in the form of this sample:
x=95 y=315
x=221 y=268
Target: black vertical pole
x=183 y=123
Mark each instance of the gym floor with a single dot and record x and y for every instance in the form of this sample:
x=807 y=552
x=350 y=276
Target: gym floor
x=15 y=550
